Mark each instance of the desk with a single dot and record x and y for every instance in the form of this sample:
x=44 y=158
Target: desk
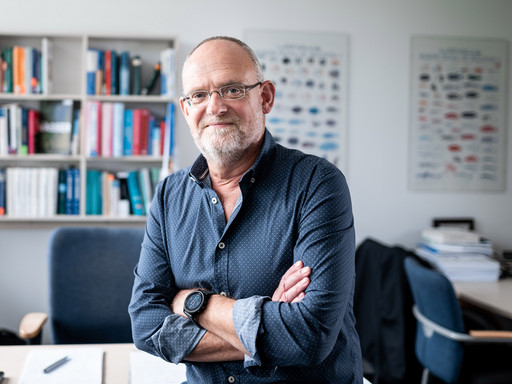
x=495 y=297
x=116 y=367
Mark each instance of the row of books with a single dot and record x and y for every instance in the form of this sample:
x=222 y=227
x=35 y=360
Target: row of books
x=113 y=73
x=120 y=194
x=24 y=70
x=54 y=128
x=39 y=192
x=112 y=130
x=461 y=255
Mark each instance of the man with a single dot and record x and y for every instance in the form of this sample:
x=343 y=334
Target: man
x=267 y=234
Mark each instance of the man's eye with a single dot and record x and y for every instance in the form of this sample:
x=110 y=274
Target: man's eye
x=233 y=91
x=199 y=95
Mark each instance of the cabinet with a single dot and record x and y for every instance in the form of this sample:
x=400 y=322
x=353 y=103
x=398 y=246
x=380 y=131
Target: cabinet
x=62 y=77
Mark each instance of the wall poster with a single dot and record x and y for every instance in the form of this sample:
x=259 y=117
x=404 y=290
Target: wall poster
x=310 y=71
x=458 y=114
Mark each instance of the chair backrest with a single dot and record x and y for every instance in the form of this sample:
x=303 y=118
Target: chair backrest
x=435 y=298
x=91 y=279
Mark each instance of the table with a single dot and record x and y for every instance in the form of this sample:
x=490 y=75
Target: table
x=495 y=297
x=116 y=367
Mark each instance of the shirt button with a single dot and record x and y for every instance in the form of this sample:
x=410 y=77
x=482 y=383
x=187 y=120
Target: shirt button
x=253 y=180
x=231 y=379
x=222 y=245
x=223 y=294
x=214 y=200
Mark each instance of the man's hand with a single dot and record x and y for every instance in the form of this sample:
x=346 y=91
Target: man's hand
x=293 y=284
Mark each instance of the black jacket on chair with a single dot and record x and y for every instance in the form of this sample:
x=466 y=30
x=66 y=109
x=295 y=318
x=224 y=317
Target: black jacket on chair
x=382 y=306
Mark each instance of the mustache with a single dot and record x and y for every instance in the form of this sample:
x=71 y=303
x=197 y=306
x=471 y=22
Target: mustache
x=209 y=121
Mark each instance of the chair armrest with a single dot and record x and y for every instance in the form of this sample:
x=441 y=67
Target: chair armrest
x=32 y=324
x=491 y=334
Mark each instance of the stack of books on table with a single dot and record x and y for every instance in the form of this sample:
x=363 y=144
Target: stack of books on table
x=460 y=254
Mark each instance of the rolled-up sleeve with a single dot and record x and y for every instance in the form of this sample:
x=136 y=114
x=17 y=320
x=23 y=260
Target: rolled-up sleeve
x=304 y=333
x=156 y=329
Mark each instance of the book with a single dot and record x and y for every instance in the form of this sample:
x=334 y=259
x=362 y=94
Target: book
x=75 y=203
x=61 y=192
x=114 y=75
x=46 y=65
x=108 y=73
x=94 y=188
x=168 y=72
x=7 y=85
x=128 y=133
x=107 y=124
x=118 y=130
x=93 y=128
x=23 y=136
x=33 y=130
x=136 y=203
x=145 y=188
x=2 y=191
x=69 y=191
x=91 y=70
x=75 y=133
x=136 y=75
x=56 y=127
x=124 y=73
x=124 y=205
x=4 y=147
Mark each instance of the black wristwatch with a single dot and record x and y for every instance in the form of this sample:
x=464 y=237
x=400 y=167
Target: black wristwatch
x=195 y=303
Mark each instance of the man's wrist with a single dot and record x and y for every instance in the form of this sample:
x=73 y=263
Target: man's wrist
x=195 y=303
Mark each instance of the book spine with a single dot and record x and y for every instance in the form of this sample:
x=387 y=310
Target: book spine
x=75 y=133
x=107 y=112
x=168 y=72
x=114 y=87
x=144 y=134
x=137 y=75
x=93 y=198
x=69 y=191
x=33 y=130
x=151 y=82
x=135 y=195
x=118 y=130
x=4 y=147
x=61 y=192
x=91 y=69
x=108 y=72
x=76 y=191
x=124 y=196
x=2 y=192
x=124 y=73
x=7 y=84
x=128 y=133
x=23 y=144
x=137 y=131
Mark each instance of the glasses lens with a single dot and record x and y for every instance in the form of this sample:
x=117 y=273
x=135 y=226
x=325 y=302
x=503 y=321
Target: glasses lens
x=199 y=97
x=232 y=92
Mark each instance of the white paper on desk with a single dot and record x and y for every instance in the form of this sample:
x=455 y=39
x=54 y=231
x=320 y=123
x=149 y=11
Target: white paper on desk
x=85 y=366
x=149 y=369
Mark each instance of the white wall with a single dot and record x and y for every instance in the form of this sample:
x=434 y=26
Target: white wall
x=379 y=31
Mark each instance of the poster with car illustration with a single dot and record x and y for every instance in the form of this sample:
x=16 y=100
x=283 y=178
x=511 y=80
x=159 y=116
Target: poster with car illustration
x=458 y=114
x=310 y=71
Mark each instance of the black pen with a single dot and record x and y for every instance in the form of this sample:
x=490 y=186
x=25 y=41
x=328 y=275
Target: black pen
x=56 y=365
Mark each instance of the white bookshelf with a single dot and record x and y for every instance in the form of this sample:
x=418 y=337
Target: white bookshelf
x=69 y=81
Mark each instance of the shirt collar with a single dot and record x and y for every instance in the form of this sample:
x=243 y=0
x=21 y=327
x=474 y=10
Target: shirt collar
x=199 y=170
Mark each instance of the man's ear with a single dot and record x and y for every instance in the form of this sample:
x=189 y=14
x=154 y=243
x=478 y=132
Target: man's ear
x=268 y=95
x=184 y=107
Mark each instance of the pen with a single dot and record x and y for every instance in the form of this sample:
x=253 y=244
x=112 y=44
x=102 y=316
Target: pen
x=56 y=365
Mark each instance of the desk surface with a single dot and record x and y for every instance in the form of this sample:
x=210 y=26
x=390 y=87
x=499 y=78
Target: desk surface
x=491 y=296
x=116 y=368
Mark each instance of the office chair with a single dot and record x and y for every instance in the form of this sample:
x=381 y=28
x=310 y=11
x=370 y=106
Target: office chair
x=441 y=342
x=91 y=279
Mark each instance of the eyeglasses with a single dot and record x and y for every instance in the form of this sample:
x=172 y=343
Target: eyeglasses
x=227 y=92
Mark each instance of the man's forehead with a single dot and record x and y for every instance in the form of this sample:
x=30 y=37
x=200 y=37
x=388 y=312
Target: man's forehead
x=220 y=62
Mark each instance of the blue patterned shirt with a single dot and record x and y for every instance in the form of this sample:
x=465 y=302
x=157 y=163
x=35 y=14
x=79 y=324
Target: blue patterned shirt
x=292 y=207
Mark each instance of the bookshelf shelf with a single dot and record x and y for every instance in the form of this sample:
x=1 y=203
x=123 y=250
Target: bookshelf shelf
x=58 y=71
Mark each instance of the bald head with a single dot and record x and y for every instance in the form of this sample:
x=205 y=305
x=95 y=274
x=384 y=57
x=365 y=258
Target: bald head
x=226 y=46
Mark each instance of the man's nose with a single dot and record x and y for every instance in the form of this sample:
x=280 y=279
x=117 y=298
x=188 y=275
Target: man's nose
x=216 y=104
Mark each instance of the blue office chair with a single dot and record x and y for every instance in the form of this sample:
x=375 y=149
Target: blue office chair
x=91 y=279
x=441 y=338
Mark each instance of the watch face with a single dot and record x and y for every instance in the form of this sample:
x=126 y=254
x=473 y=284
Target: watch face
x=194 y=301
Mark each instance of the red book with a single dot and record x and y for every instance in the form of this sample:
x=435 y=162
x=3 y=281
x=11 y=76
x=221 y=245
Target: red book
x=108 y=72
x=162 y=136
x=33 y=129
x=145 y=132
x=137 y=131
